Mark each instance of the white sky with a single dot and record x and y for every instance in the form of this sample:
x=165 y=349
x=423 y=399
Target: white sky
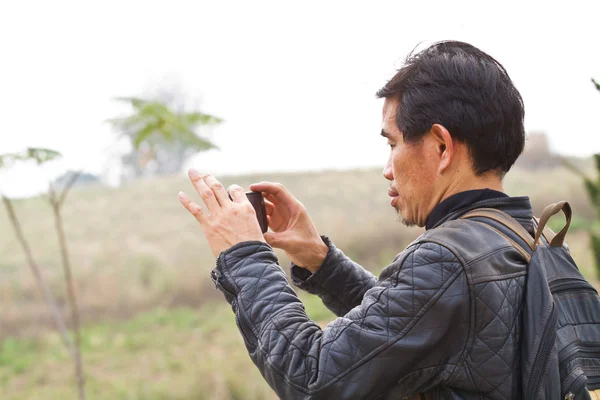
x=295 y=83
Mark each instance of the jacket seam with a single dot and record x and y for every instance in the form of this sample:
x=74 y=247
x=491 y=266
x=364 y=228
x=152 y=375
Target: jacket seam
x=469 y=287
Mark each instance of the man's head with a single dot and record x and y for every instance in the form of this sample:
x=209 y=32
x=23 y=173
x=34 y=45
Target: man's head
x=454 y=121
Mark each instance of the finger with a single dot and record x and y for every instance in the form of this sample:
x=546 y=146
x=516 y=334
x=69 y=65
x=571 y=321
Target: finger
x=237 y=193
x=272 y=199
x=276 y=192
x=208 y=196
x=218 y=189
x=275 y=239
x=271 y=238
x=192 y=207
x=270 y=207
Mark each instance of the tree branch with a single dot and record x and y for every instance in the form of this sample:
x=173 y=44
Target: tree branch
x=46 y=293
x=68 y=186
x=62 y=240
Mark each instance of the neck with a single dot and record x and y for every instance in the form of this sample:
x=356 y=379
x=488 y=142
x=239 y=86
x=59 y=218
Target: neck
x=469 y=181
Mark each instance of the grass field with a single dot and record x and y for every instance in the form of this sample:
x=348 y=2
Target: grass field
x=155 y=326
x=177 y=353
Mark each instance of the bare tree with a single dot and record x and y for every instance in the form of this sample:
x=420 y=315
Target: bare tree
x=56 y=200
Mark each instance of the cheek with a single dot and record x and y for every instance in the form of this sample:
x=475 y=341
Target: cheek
x=398 y=161
x=412 y=176
x=405 y=172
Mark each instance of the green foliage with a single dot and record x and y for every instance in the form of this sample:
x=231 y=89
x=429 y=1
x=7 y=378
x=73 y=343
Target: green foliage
x=592 y=186
x=152 y=120
x=17 y=355
x=39 y=155
x=595 y=243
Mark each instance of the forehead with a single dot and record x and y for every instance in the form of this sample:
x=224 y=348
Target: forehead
x=389 y=108
x=388 y=123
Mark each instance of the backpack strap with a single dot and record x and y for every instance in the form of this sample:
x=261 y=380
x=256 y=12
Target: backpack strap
x=508 y=221
x=548 y=234
x=553 y=209
x=503 y=218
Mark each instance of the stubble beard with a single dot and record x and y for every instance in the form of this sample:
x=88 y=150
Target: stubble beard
x=402 y=220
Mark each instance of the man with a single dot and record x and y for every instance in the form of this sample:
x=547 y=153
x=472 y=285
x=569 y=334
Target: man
x=443 y=318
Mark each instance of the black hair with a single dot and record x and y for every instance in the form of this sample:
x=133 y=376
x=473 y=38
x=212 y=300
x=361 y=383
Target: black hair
x=456 y=85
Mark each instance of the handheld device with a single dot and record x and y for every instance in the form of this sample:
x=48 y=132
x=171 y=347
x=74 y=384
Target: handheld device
x=258 y=202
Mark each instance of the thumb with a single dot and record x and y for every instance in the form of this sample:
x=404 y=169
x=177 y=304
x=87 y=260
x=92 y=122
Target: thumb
x=275 y=239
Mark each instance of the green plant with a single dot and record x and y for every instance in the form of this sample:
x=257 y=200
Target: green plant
x=161 y=136
x=592 y=186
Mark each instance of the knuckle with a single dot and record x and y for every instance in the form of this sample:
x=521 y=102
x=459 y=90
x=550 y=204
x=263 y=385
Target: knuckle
x=207 y=194
x=196 y=179
x=235 y=189
x=216 y=186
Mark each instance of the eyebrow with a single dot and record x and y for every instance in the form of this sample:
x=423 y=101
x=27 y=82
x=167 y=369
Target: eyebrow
x=385 y=134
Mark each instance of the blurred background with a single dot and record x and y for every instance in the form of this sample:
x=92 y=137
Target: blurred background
x=104 y=275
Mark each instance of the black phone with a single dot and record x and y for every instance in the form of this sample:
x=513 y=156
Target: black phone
x=258 y=202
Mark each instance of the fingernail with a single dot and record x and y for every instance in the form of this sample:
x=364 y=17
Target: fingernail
x=182 y=196
x=193 y=172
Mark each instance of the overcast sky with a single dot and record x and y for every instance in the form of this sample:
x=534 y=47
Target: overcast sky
x=294 y=83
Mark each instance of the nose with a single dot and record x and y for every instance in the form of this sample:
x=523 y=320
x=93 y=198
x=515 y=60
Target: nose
x=387 y=170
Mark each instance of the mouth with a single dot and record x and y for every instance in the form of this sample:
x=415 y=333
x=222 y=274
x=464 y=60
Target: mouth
x=394 y=195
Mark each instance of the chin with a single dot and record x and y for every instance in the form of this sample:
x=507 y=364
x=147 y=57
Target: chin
x=404 y=220
x=407 y=222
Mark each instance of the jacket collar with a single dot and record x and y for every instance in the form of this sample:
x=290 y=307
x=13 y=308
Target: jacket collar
x=517 y=207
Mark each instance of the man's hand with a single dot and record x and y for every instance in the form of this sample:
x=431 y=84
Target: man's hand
x=293 y=230
x=229 y=222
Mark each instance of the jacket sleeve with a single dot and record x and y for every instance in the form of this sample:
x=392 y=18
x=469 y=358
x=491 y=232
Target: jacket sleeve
x=408 y=332
x=340 y=282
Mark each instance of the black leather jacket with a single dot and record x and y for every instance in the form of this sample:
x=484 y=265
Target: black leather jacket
x=443 y=318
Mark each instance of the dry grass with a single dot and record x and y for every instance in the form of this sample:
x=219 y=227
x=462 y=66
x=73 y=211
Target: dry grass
x=138 y=257
x=136 y=248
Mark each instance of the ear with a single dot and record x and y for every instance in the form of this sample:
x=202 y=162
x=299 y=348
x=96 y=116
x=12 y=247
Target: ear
x=444 y=146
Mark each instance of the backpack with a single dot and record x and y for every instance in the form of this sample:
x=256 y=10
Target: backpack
x=560 y=326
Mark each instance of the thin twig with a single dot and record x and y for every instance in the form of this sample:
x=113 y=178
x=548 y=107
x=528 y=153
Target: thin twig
x=68 y=186
x=46 y=293
x=72 y=297
x=51 y=194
